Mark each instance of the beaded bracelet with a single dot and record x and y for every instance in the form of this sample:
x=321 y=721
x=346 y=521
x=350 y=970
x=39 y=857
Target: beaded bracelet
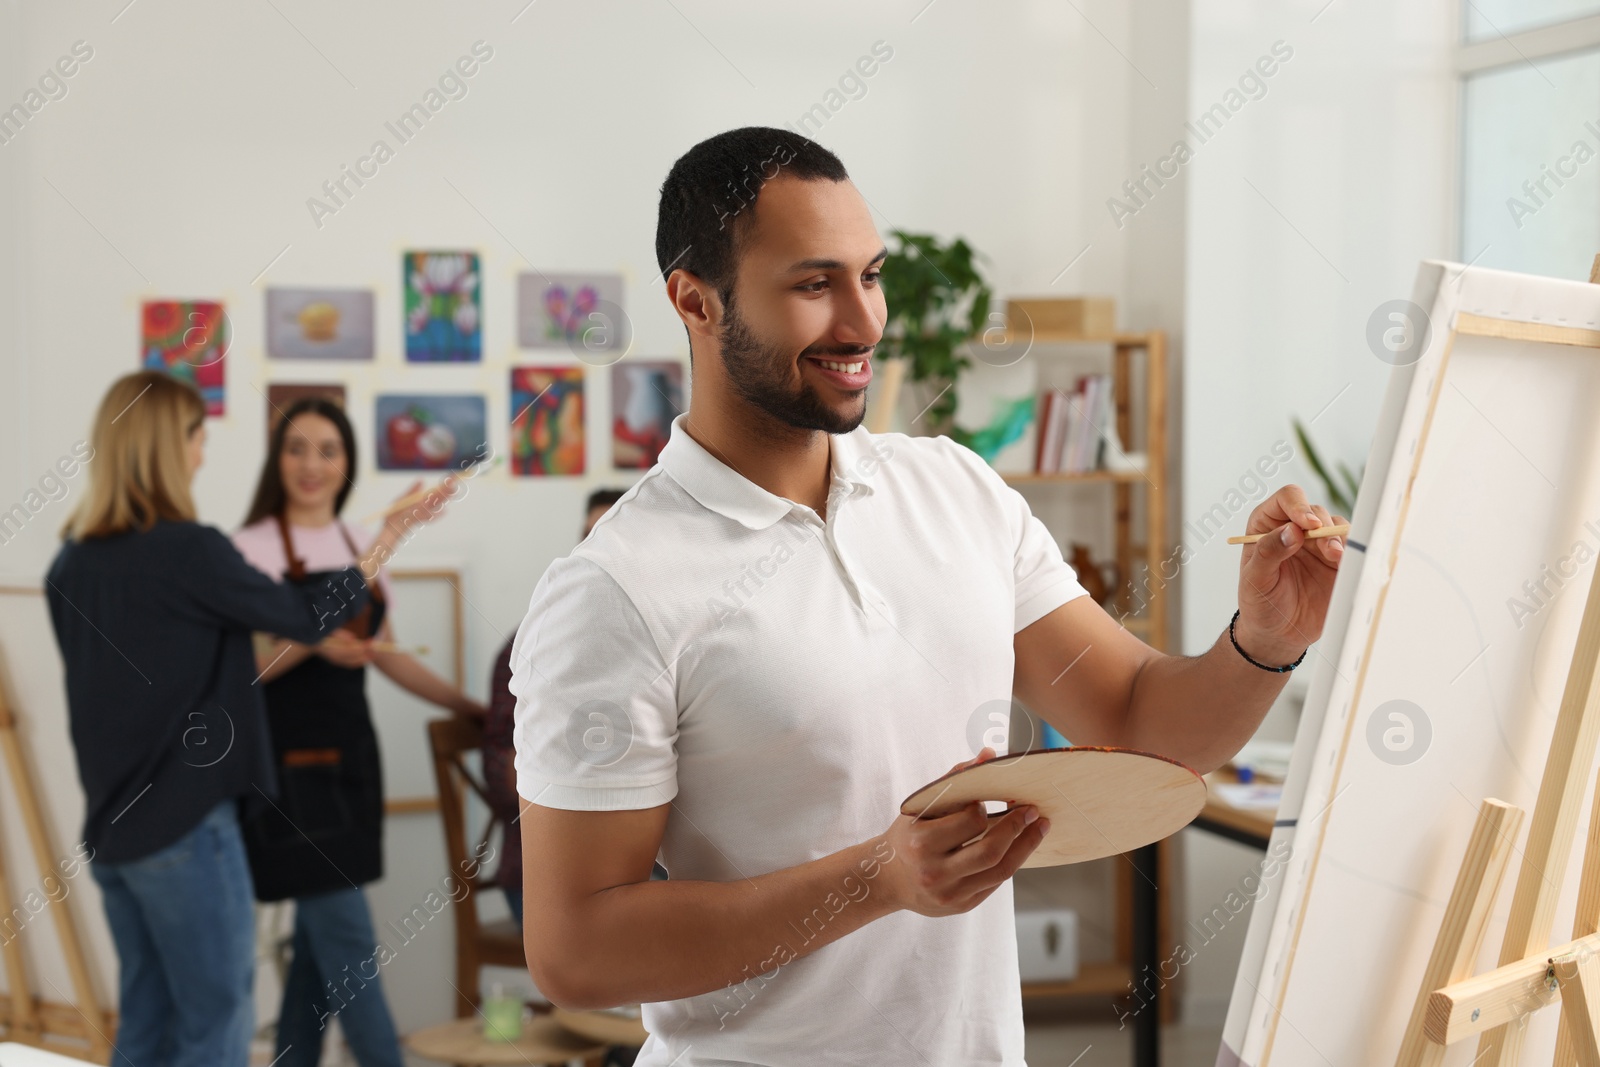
x=1246 y=655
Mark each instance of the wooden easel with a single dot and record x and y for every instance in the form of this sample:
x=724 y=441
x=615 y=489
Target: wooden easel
x=22 y=1016
x=1453 y=1004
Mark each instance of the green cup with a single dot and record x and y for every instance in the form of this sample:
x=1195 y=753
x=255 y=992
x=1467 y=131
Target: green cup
x=502 y=1017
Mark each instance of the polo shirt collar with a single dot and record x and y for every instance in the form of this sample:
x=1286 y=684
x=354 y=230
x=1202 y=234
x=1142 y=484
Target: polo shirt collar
x=724 y=490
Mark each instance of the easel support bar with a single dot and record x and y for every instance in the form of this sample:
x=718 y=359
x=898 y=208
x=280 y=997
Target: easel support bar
x=1495 y=998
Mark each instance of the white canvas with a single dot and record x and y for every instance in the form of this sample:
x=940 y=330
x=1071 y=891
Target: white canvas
x=1508 y=484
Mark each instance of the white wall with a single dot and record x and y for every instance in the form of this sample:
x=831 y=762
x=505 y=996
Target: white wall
x=1309 y=208
x=180 y=162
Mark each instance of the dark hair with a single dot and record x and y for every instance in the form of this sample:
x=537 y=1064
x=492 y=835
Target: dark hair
x=270 y=498
x=603 y=498
x=702 y=219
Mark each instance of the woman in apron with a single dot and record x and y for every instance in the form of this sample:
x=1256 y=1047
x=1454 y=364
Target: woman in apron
x=324 y=839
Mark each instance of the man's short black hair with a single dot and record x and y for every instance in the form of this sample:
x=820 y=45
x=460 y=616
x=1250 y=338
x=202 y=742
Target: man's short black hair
x=707 y=194
x=603 y=498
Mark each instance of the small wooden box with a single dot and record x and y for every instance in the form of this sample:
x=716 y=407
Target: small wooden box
x=1073 y=316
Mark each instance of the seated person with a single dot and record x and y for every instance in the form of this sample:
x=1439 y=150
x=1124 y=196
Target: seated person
x=499 y=755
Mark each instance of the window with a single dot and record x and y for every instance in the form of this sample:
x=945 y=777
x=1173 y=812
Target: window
x=1530 y=136
x=1485 y=19
x=1530 y=166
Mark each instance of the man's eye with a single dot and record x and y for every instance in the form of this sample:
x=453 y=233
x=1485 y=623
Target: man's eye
x=871 y=277
x=813 y=287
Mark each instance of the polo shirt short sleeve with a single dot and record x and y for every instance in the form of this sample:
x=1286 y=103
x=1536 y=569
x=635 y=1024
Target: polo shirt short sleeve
x=584 y=653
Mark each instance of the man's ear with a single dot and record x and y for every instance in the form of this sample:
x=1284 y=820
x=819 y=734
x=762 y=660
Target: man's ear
x=696 y=302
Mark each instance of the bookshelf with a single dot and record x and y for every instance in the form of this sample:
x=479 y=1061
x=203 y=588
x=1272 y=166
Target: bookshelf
x=1127 y=349
x=1140 y=551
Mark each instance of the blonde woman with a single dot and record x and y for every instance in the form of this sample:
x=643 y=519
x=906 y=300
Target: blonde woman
x=153 y=613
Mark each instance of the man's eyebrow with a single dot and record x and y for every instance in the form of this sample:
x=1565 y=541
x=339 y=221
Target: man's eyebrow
x=831 y=264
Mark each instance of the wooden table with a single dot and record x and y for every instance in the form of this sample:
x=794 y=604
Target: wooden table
x=543 y=1041
x=1247 y=826
x=609 y=1027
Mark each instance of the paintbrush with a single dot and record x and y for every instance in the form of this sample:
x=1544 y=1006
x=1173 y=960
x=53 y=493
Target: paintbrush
x=412 y=499
x=390 y=646
x=1321 y=531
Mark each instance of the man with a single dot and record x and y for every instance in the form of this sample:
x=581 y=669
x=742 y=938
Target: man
x=783 y=630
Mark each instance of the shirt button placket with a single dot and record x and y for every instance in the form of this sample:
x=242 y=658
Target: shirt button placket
x=829 y=530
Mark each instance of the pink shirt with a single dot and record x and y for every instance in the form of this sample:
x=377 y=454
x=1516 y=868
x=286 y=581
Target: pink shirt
x=321 y=548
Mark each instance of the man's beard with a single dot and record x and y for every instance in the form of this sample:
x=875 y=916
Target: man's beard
x=759 y=372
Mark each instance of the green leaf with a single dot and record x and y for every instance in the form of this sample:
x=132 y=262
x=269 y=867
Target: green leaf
x=1341 y=492
x=937 y=301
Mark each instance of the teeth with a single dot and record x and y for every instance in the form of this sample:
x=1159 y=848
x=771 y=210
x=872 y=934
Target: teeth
x=846 y=368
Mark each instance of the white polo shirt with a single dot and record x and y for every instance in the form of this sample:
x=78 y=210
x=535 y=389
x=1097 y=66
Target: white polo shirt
x=785 y=683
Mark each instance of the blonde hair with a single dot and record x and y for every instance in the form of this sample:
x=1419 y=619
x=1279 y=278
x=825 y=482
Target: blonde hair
x=141 y=470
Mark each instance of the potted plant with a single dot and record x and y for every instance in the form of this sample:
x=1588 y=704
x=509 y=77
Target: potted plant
x=937 y=301
x=1341 y=492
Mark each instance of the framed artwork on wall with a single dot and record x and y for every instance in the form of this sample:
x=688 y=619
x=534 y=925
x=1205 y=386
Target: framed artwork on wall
x=547 y=435
x=443 y=307
x=188 y=340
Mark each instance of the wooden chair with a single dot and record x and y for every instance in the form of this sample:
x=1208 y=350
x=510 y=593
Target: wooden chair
x=478 y=944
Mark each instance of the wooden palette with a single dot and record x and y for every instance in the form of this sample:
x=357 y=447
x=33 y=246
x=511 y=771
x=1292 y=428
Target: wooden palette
x=1100 y=801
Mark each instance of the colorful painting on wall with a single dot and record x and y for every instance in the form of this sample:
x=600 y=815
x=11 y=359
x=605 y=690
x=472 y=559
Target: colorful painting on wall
x=283 y=395
x=645 y=398
x=431 y=432
x=319 y=324
x=578 y=311
x=547 y=420
x=188 y=340
x=443 y=310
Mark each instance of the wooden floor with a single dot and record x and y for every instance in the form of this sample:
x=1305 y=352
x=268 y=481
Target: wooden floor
x=1055 y=1044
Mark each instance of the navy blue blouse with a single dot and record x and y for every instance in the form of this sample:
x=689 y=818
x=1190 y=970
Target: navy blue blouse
x=166 y=715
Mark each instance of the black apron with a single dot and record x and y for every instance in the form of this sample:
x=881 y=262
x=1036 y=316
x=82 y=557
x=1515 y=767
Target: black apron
x=325 y=829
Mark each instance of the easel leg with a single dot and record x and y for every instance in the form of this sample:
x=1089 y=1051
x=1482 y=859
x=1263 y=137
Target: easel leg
x=87 y=1006
x=24 y=1024
x=1580 y=1005
x=1555 y=820
x=1586 y=918
x=1465 y=916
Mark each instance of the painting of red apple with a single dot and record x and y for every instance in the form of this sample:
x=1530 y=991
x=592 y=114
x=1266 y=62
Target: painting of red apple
x=436 y=432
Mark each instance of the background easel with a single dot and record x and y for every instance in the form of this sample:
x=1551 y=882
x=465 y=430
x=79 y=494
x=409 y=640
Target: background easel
x=1452 y=1004
x=23 y=1017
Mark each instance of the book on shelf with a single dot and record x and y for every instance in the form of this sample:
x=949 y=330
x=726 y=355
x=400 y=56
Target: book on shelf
x=1074 y=426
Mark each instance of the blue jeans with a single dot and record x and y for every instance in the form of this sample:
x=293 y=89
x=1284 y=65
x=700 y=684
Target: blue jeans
x=183 y=920
x=334 y=975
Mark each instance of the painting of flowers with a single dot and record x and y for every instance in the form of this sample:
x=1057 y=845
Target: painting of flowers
x=547 y=420
x=443 y=313
x=578 y=311
x=188 y=340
